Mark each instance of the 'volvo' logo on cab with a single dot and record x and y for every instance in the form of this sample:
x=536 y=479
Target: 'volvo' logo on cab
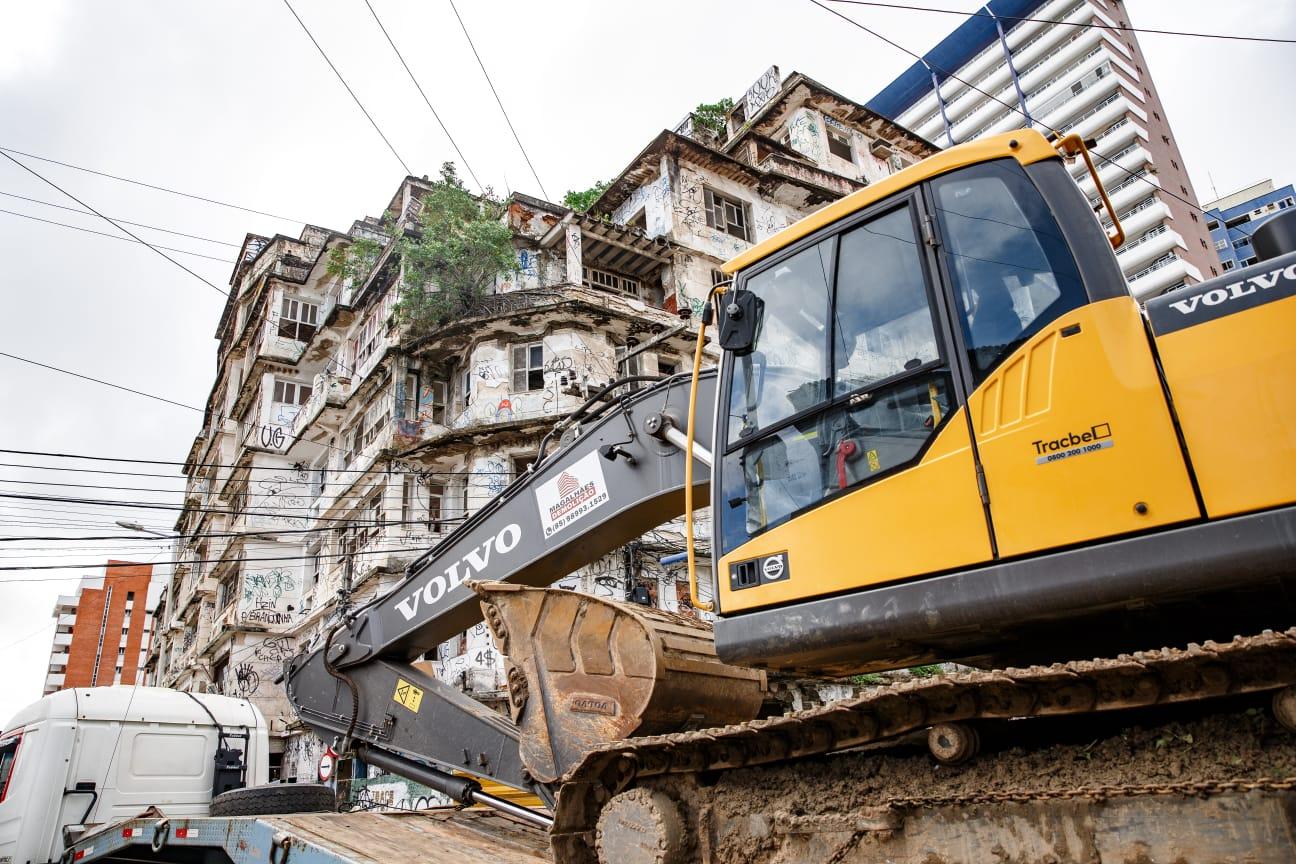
x=473 y=563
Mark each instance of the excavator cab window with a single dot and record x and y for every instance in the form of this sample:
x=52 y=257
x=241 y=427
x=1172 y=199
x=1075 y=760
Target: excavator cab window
x=846 y=382
x=1011 y=268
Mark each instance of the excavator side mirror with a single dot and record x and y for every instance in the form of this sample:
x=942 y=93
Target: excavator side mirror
x=740 y=314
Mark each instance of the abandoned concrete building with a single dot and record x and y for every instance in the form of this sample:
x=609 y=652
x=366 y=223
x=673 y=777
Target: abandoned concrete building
x=337 y=448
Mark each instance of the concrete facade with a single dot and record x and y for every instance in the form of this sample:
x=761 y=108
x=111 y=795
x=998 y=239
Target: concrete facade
x=337 y=448
x=102 y=632
x=1082 y=75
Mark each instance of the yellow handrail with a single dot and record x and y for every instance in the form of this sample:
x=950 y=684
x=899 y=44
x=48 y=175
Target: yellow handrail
x=698 y=602
x=1073 y=145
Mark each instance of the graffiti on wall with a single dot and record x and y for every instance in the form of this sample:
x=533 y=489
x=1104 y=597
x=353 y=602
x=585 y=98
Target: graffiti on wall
x=269 y=596
x=654 y=199
x=281 y=499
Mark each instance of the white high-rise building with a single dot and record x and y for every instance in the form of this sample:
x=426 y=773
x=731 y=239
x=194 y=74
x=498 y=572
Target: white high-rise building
x=1071 y=66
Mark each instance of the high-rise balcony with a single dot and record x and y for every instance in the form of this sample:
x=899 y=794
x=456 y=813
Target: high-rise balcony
x=1132 y=190
x=1160 y=275
x=54 y=681
x=1135 y=254
x=63 y=639
x=274 y=345
x=1147 y=214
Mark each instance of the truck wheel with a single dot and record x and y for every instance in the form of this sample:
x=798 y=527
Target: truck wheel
x=277 y=798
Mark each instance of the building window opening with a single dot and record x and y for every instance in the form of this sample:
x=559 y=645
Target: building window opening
x=726 y=214
x=291 y=392
x=528 y=367
x=608 y=281
x=839 y=145
x=297 y=319
x=424 y=400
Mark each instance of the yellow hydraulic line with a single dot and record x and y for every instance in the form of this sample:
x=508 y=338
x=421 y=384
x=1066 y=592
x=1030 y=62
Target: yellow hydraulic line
x=698 y=602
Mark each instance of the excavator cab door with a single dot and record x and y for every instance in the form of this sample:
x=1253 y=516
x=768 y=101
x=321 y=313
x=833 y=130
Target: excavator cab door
x=846 y=459
x=1071 y=425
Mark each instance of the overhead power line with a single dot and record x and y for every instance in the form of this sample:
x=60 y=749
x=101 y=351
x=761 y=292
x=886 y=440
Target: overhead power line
x=419 y=87
x=114 y=236
x=498 y=101
x=114 y=565
x=127 y=231
x=153 y=186
x=99 y=381
x=89 y=457
x=123 y=221
x=1117 y=27
x=359 y=104
x=996 y=99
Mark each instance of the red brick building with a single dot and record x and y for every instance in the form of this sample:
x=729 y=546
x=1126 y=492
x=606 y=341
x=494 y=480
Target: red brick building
x=102 y=630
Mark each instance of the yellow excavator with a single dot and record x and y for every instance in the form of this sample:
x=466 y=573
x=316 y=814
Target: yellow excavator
x=941 y=430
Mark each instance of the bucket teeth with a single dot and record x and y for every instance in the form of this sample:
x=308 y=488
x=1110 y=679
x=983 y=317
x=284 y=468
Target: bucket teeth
x=583 y=671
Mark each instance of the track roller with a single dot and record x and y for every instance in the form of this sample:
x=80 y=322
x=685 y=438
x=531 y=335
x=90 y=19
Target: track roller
x=953 y=743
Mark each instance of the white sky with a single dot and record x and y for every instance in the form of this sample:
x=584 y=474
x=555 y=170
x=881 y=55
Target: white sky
x=231 y=101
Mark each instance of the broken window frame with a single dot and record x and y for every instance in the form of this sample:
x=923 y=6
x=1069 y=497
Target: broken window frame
x=414 y=386
x=727 y=214
x=597 y=279
x=289 y=392
x=526 y=366
x=843 y=141
x=298 y=319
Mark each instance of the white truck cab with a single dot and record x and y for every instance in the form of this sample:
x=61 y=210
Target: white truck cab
x=90 y=756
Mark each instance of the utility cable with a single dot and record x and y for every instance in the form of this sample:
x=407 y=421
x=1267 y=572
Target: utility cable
x=498 y=101
x=119 y=219
x=428 y=102
x=993 y=98
x=115 y=237
x=208 y=464
x=98 y=381
x=359 y=104
x=152 y=186
x=127 y=231
x=111 y=565
x=31 y=635
x=1019 y=18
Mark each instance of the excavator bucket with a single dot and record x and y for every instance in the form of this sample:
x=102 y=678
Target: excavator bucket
x=583 y=671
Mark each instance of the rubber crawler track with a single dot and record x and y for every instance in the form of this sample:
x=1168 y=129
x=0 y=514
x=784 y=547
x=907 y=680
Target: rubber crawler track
x=1168 y=676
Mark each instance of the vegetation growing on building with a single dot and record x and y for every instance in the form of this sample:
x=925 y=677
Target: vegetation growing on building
x=583 y=200
x=450 y=260
x=712 y=114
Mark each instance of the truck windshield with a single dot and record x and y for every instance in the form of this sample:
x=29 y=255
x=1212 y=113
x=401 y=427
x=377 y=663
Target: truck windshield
x=8 y=754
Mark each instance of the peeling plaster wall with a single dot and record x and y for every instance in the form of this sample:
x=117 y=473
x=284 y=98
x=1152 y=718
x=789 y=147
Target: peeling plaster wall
x=655 y=200
x=808 y=135
x=577 y=358
x=766 y=218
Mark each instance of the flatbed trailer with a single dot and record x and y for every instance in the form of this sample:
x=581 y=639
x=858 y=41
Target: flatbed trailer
x=439 y=834
x=1255 y=825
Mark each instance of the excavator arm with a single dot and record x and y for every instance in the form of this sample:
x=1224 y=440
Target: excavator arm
x=617 y=475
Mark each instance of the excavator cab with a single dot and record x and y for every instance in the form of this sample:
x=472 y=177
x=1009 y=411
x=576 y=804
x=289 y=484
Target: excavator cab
x=947 y=390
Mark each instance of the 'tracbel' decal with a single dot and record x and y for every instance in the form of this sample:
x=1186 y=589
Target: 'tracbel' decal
x=1095 y=438
x=473 y=563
